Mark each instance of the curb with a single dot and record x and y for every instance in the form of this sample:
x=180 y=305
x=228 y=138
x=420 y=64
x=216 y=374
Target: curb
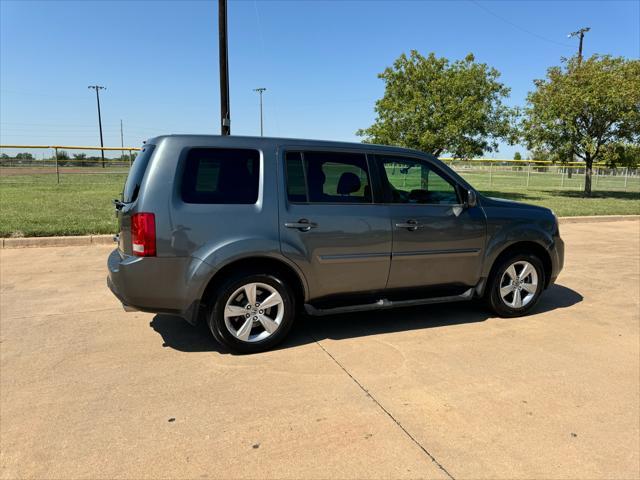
x=598 y=218
x=85 y=240
x=70 y=241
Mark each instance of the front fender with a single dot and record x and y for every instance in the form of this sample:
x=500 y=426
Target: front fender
x=504 y=236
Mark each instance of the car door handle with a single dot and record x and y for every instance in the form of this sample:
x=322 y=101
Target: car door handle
x=411 y=225
x=303 y=225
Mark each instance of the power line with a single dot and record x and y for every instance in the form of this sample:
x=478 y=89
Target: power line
x=514 y=25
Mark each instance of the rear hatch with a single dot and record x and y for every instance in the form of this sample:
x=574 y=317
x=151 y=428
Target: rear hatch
x=124 y=207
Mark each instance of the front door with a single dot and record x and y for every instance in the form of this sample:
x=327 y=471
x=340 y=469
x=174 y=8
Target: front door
x=437 y=241
x=329 y=225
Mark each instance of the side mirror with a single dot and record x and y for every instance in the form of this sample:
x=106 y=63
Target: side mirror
x=472 y=199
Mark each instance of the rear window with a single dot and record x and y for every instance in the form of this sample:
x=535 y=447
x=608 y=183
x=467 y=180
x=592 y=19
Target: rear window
x=221 y=175
x=136 y=174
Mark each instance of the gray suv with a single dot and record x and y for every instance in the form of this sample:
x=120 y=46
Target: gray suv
x=246 y=233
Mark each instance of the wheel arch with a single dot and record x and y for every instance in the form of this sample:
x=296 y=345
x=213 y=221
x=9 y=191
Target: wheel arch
x=523 y=247
x=258 y=264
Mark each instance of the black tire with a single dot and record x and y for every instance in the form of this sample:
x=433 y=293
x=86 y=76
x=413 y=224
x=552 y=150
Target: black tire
x=218 y=325
x=498 y=279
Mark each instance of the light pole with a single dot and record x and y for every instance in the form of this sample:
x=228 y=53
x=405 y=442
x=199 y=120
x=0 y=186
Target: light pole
x=260 y=90
x=97 y=88
x=580 y=33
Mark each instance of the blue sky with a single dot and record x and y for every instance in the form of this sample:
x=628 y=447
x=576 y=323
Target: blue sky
x=319 y=60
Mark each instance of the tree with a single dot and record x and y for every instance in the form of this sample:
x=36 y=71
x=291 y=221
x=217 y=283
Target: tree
x=581 y=108
x=517 y=156
x=621 y=155
x=438 y=106
x=24 y=156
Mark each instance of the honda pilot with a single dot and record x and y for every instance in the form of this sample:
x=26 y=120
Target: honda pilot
x=248 y=233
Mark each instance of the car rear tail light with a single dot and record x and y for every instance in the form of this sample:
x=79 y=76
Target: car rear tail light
x=143 y=234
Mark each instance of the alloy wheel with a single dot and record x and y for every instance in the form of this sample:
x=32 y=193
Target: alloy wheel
x=519 y=284
x=254 y=312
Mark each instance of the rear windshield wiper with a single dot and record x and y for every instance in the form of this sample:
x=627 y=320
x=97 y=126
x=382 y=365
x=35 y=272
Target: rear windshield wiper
x=118 y=204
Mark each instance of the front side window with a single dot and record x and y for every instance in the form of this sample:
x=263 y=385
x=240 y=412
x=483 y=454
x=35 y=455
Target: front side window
x=327 y=177
x=221 y=175
x=414 y=181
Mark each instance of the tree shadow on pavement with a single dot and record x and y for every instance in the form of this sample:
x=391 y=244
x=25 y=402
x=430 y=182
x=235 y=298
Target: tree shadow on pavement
x=516 y=196
x=615 y=194
x=180 y=335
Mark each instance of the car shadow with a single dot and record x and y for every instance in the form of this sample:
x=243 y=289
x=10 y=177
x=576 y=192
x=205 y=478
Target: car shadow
x=179 y=335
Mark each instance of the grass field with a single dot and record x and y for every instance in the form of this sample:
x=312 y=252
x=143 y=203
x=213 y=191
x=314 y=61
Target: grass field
x=34 y=205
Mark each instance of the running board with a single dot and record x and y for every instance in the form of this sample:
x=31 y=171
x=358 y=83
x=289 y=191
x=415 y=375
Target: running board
x=383 y=303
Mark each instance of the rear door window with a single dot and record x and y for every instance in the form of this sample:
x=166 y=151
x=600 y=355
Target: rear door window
x=221 y=175
x=328 y=177
x=136 y=174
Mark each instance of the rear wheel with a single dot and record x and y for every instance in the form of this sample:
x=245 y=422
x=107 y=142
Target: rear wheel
x=252 y=312
x=516 y=285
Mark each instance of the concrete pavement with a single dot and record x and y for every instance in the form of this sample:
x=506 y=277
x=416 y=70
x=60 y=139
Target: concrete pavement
x=444 y=391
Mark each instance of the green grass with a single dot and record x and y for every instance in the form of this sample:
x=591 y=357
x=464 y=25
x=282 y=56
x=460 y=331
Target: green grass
x=34 y=205
x=37 y=206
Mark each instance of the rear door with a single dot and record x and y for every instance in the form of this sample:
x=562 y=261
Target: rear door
x=329 y=225
x=437 y=241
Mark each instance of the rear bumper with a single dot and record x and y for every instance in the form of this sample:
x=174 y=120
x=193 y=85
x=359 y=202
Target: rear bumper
x=157 y=284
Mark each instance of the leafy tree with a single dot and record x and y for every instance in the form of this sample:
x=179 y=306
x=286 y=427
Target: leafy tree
x=437 y=106
x=79 y=156
x=540 y=155
x=517 y=156
x=24 y=156
x=582 y=108
x=622 y=155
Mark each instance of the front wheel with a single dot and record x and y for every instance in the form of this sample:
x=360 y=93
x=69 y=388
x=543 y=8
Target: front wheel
x=252 y=313
x=516 y=285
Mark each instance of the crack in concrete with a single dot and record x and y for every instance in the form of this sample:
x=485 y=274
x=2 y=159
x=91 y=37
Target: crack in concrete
x=26 y=317
x=389 y=414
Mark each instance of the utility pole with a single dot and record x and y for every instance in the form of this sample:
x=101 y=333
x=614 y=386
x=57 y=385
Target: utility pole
x=122 y=139
x=260 y=90
x=225 y=114
x=580 y=33
x=97 y=88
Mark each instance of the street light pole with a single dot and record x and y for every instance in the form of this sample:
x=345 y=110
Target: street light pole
x=260 y=90
x=97 y=88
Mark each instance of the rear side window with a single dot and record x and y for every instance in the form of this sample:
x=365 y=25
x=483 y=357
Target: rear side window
x=136 y=174
x=221 y=175
x=328 y=177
